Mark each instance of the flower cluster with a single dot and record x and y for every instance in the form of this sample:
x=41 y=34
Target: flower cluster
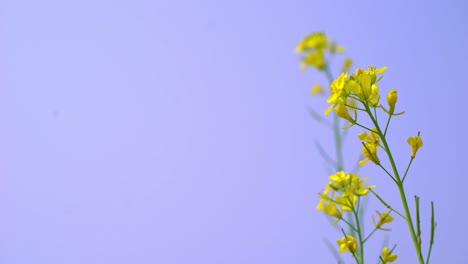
x=361 y=86
x=314 y=47
x=359 y=92
x=341 y=193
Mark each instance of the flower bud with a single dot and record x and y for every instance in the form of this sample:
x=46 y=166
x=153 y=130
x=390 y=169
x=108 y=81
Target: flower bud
x=392 y=99
x=342 y=112
x=331 y=210
x=415 y=142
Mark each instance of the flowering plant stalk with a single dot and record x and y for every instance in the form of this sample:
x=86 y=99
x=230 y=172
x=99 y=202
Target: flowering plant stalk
x=338 y=162
x=358 y=93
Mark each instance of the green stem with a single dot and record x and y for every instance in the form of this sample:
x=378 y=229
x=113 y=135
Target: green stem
x=433 y=226
x=401 y=189
x=336 y=129
x=386 y=126
x=359 y=233
x=407 y=169
x=368 y=236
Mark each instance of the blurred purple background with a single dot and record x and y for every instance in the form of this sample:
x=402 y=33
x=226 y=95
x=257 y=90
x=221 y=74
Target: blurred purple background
x=178 y=131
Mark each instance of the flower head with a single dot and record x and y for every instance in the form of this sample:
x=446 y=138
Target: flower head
x=347 y=243
x=369 y=147
x=388 y=256
x=314 y=59
x=384 y=218
x=316 y=40
x=415 y=142
x=359 y=188
x=337 y=91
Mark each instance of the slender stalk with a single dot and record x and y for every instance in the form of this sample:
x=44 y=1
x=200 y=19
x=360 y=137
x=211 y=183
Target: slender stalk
x=386 y=126
x=407 y=169
x=418 y=219
x=336 y=129
x=433 y=227
x=386 y=204
x=368 y=236
x=401 y=189
x=359 y=232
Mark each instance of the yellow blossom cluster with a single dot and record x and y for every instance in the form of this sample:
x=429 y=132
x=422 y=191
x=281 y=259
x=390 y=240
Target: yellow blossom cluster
x=349 y=94
x=347 y=243
x=361 y=86
x=341 y=193
x=314 y=47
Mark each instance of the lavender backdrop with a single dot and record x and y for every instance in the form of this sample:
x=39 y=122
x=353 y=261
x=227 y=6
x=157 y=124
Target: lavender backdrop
x=178 y=131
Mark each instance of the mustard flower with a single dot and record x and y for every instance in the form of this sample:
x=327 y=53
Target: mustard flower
x=370 y=153
x=342 y=112
x=374 y=96
x=314 y=59
x=347 y=243
x=327 y=204
x=371 y=138
x=373 y=71
x=331 y=210
x=391 y=100
x=339 y=181
x=388 y=256
x=415 y=142
x=384 y=218
x=316 y=89
x=358 y=188
x=316 y=40
x=347 y=201
x=337 y=91
x=365 y=86
x=369 y=147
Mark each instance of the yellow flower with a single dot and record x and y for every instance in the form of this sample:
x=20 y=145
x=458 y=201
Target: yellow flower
x=392 y=99
x=370 y=153
x=347 y=201
x=314 y=59
x=337 y=87
x=415 y=142
x=358 y=188
x=342 y=112
x=388 y=256
x=365 y=86
x=347 y=243
x=369 y=147
x=316 y=40
x=316 y=89
x=331 y=210
x=373 y=71
x=383 y=219
x=371 y=138
x=337 y=91
x=374 y=96
x=339 y=181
